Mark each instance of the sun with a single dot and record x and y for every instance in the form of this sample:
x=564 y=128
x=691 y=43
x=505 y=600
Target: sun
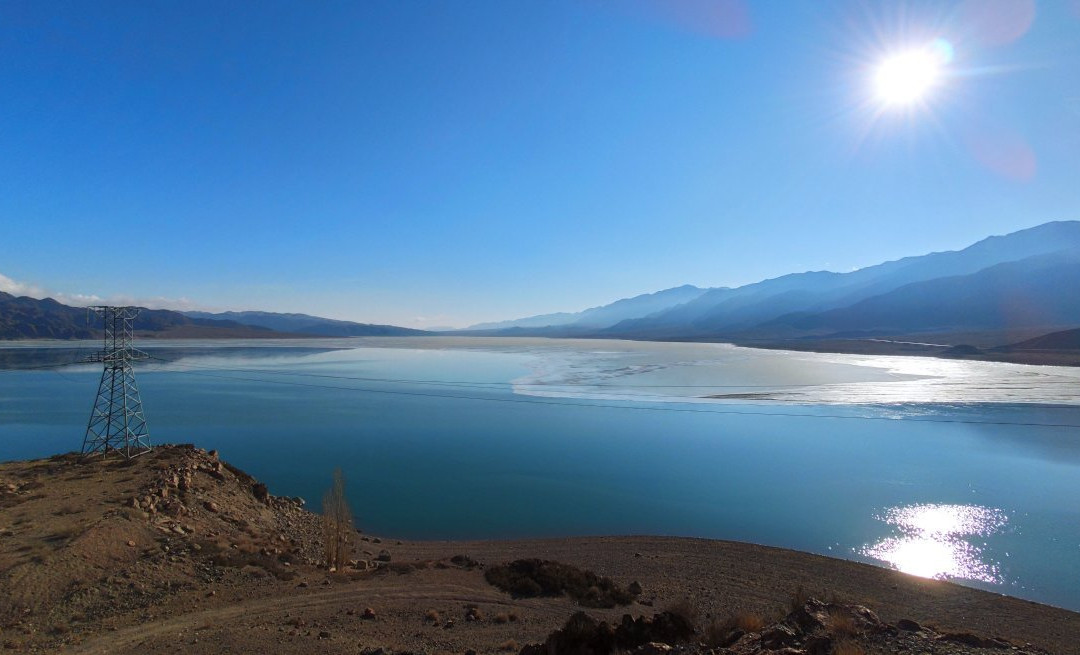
x=908 y=77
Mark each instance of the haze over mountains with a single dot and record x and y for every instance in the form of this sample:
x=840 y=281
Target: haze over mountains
x=1026 y=279
x=599 y=317
x=1014 y=287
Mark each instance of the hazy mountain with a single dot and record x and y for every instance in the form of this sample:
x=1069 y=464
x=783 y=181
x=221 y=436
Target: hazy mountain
x=1036 y=291
x=305 y=324
x=727 y=311
x=604 y=315
x=539 y=321
x=29 y=318
x=1062 y=340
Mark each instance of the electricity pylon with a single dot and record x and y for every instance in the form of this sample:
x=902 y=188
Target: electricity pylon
x=116 y=422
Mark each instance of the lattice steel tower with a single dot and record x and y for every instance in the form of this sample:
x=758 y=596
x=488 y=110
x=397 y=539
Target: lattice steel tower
x=116 y=422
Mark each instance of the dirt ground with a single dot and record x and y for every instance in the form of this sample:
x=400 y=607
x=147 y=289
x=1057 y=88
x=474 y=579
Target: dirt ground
x=178 y=552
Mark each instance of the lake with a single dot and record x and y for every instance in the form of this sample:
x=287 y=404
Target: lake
x=968 y=471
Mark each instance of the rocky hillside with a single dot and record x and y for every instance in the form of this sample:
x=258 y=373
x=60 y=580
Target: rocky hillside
x=84 y=540
x=812 y=627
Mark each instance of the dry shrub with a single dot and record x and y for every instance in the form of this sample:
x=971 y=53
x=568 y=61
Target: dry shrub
x=841 y=623
x=719 y=632
x=513 y=615
x=337 y=524
x=509 y=646
x=685 y=609
x=847 y=647
x=432 y=616
x=798 y=599
x=716 y=633
x=748 y=622
x=535 y=577
x=501 y=618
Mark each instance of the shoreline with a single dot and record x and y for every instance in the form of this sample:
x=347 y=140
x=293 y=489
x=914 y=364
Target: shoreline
x=1062 y=358
x=885 y=347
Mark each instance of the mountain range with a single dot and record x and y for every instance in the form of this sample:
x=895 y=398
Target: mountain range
x=307 y=325
x=1004 y=293
x=1019 y=281
x=606 y=315
x=30 y=318
x=23 y=317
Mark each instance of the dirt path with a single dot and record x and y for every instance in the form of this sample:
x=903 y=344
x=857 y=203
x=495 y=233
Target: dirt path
x=391 y=596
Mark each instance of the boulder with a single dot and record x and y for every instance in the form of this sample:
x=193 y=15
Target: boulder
x=778 y=637
x=261 y=493
x=908 y=625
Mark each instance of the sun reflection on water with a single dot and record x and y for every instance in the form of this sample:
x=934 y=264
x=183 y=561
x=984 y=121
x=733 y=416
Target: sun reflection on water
x=933 y=541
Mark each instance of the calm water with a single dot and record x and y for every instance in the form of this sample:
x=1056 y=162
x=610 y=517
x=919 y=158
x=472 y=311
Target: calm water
x=928 y=466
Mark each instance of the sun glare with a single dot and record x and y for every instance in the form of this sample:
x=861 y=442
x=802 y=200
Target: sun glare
x=908 y=77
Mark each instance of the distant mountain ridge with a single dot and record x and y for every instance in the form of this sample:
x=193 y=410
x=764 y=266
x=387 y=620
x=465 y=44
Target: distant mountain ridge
x=1025 y=281
x=740 y=310
x=1023 y=293
x=30 y=318
x=307 y=324
x=1018 y=279
x=23 y=317
x=1063 y=340
x=604 y=315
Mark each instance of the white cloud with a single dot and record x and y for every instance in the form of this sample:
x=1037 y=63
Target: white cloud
x=16 y=288
x=7 y=285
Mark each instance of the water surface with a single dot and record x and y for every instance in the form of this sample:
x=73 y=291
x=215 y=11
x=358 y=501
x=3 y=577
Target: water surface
x=933 y=467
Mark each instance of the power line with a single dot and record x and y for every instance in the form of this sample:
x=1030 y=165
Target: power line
x=689 y=410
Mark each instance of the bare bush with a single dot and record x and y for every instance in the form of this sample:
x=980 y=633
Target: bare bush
x=846 y=647
x=337 y=524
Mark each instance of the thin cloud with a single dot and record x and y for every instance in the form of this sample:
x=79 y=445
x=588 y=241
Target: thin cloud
x=17 y=288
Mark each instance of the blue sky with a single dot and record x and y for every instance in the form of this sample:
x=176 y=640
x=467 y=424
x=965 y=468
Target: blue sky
x=445 y=163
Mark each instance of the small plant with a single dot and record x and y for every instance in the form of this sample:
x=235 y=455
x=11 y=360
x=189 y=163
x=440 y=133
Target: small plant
x=798 y=599
x=501 y=618
x=685 y=609
x=432 y=616
x=847 y=647
x=509 y=646
x=535 y=577
x=748 y=622
x=842 y=624
x=717 y=633
x=722 y=632
x=337 y=524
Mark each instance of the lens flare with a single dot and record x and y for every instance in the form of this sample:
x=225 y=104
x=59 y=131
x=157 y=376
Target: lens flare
x=908 y=77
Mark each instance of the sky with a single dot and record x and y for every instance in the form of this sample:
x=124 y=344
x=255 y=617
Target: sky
x=446 y=163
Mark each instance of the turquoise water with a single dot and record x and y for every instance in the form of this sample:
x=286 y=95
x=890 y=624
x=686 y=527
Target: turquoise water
x=989 y=505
